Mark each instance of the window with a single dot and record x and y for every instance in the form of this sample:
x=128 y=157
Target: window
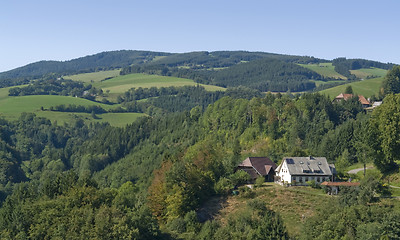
x=306 y=179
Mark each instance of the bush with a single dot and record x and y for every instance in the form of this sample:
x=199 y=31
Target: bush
x=223 y=186
x=259 y=181
x=239 y=177
x=313 y=184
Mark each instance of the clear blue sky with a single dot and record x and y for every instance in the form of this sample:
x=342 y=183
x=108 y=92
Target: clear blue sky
x=62 y=30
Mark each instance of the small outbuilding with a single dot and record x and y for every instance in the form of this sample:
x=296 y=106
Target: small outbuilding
x=258 y=166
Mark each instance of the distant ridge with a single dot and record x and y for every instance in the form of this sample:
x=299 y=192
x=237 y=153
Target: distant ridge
x=258 y=70
x=99 y=61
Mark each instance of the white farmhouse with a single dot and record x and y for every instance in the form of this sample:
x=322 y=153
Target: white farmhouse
x=300 y=170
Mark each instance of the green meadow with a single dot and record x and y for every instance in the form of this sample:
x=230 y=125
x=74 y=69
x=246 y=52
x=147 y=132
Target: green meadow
x=12 y=107
x=366 y=72
x=324 y=69
x=93 y=76
x=123 y=83
x=366 y=88
x=114 y=119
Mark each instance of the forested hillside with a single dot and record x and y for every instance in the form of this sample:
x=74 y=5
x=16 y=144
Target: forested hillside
x=92 y=63
x=258 y=70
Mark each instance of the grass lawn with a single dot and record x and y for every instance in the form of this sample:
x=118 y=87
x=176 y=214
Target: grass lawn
x=324 y=69
x=365 y=72
x=115 y=119
x=93 y=76
x=12 y=107
x=123 y=83
x=366 y=88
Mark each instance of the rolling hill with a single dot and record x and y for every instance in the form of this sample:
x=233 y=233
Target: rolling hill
x=12 y=107
x=100 y=61
x=324 y=69
x=366 y=88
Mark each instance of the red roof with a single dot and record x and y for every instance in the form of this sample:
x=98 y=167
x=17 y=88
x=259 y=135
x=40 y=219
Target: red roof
x=341 y=184
x=345 y=96
x=262 y=165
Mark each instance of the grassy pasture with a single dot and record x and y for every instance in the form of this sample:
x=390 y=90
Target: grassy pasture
x=115 y=119
x=365 y=72
x=94 y=76
x=324 y=69
x=12 y=107
x=366 y=88
x=123 y=83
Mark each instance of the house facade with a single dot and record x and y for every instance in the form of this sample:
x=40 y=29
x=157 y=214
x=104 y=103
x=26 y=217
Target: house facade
x=300 y=170
x=258 y=166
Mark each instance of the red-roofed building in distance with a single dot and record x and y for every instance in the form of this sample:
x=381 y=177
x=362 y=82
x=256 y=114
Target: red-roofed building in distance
x=343 y=96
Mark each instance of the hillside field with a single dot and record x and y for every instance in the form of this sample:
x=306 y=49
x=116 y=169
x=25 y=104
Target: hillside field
x=324 y=69
x=12 y=107
x=366 y=72
x=366 y=88
x=123 y=83
x=93 y=76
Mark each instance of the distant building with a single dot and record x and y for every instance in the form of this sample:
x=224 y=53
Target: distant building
x=300 y=170
x=258 y=166
x=343 y=96
x=374 y=105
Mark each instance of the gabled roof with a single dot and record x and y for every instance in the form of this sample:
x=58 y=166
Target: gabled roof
x=262 y=165
x=307 y=166
x=345 y=96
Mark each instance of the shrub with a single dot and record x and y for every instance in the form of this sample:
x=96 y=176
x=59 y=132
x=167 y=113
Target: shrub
x=259 y=181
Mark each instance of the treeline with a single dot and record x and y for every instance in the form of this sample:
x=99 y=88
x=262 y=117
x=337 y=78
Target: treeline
x=124 y=58
x=78 y=108
x=263 y=75
x=97 y=62
x=343 y=66
x=162 y=100
x=178 y=99
x=57 y=86
x=221 y=59
x=267 y=75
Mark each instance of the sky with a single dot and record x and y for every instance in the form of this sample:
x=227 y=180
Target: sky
x=38 y=30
